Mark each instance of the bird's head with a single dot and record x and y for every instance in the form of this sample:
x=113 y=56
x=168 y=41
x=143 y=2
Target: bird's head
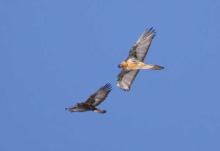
x=122 y=65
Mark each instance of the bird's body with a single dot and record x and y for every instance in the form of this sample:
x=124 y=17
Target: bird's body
x=93 y=101
x=133 y=64
x=135 y=61
x=82 y=107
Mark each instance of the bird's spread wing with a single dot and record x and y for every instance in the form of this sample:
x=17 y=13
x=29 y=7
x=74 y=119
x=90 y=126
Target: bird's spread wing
x=126 y=78
x=138 y=51
x=140 y=48
x=100 y=95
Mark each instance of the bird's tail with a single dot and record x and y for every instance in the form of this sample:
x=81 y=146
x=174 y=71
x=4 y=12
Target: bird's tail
x=99 y=110
x=152 y=67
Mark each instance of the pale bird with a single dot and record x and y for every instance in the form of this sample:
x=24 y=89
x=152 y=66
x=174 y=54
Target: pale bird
x=135 y=61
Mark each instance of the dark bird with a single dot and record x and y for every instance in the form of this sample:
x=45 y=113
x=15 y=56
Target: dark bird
x=94 y=100
x=135 y=61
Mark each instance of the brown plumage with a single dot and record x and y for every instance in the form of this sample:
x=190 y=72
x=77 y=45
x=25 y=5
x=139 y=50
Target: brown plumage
x=93 y=101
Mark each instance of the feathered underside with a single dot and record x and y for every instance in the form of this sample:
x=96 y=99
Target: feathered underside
x=100 y=95
x=94 y=100
x=138 y=51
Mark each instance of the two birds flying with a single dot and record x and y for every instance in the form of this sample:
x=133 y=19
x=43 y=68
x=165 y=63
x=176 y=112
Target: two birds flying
x=130 y=68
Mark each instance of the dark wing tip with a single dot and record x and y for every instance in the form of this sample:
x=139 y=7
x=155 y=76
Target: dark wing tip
x=149 y=31
x=107 y=87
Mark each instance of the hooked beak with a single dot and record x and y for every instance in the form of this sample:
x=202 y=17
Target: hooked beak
x=119 y=66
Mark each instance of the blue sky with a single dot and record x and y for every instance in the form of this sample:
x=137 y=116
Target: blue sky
x=56 y=53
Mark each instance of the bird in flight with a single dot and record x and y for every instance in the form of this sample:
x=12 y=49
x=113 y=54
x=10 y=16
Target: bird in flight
x=94 y=100
x=135 y=61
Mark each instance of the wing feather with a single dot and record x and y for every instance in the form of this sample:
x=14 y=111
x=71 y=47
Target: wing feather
x=126 y=78
x=140 y=48
x=100 y=95
x=138 y=51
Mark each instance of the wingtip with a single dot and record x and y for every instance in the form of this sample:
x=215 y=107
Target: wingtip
x=108 y=86
x=122 y=88
x=152 y=30
x=149 y=32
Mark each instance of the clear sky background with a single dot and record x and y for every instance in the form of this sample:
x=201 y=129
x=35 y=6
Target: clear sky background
x=56 y=53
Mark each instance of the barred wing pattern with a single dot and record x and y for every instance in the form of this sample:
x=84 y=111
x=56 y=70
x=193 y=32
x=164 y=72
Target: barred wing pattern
x=140 y=48
x=138 y=51
x=100 y=95
x=126 y=78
